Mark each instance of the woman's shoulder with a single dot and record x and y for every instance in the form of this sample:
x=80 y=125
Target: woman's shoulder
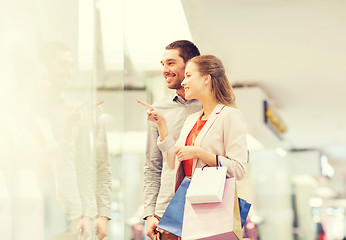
x=232 y=112
x=229 y=109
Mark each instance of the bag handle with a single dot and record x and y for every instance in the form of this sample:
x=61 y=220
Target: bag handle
x=205 y=166
x=218 y=163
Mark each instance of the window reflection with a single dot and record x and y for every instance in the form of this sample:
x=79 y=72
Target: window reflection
x=55 y=166
x=59 y=60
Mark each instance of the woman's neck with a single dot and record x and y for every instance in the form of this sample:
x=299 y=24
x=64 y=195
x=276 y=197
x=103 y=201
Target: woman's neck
x=208 y=107
x=181 y=92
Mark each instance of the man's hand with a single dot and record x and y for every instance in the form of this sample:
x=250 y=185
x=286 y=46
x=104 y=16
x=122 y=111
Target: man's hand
x=83 y=227
x=151 y=226
x=100 y=225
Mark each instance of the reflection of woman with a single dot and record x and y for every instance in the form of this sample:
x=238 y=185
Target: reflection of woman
x=217 y=132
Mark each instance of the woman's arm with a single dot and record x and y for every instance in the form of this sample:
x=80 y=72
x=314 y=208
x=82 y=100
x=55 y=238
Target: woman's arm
x=233 y=130
x=165 y=142
x=235 y=144
x=188 y=152
x=155 y=116
x=162 y=128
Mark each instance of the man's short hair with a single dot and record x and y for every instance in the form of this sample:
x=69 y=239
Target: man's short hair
x=187 y=49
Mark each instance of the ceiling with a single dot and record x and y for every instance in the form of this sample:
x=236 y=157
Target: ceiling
x=294 y=50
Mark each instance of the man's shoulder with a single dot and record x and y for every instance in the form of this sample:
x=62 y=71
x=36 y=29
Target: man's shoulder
x=164 y=102
x=176 y=107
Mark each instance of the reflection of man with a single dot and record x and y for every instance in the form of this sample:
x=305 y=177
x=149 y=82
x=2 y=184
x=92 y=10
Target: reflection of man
x=82 y=170
x=158 y=178
x=93 y=161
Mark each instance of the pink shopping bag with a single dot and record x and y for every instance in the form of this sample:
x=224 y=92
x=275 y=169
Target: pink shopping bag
x=214 y=221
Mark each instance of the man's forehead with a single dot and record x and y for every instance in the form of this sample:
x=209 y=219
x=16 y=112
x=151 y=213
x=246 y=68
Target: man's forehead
x=171 y=54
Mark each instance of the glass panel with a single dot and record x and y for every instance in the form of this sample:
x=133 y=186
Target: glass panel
x=72 y=142
x=54 y=159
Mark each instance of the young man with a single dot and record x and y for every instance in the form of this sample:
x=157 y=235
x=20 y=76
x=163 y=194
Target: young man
x=158 y=178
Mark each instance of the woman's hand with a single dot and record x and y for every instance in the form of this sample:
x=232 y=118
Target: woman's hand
x=186 y=152
x=152 y=114
x=156 y=117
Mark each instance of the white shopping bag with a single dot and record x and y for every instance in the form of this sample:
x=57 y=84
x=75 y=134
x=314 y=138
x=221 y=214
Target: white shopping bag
x=207 y=185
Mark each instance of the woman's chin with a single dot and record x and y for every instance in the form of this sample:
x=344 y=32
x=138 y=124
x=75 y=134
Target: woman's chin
x=188 y=97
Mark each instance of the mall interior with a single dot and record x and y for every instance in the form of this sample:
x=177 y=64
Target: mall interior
x=71 y=72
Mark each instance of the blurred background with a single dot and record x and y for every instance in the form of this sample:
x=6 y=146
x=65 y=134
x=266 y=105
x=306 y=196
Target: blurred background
x=285 y=59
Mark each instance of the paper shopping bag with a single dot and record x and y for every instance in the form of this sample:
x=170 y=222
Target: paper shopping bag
x=213 y=221
x=244 y=208
x=172 y=219
x=207 y=185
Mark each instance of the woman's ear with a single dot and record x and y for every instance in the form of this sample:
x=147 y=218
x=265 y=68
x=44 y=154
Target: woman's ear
x=207 y=79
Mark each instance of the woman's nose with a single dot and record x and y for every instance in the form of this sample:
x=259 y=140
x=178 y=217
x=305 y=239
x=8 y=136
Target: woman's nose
x=183 y=82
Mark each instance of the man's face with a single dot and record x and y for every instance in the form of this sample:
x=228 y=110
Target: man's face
x=173 y=68
x=61 y=70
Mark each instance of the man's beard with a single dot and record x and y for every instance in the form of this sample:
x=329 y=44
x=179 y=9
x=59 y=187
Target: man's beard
x=176 y=85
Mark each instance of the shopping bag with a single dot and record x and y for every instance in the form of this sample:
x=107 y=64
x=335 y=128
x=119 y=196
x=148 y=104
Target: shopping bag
x=244 y=208
x=172 y=219
x=207 y=185
x=214 y=221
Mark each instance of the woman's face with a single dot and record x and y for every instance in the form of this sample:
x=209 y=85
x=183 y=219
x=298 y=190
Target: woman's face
x=193 y=82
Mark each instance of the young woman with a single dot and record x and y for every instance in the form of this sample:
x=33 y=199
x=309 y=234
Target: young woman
x=215 y=134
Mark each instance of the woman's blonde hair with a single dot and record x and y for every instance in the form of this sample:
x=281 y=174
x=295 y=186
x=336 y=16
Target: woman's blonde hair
x=221 y=87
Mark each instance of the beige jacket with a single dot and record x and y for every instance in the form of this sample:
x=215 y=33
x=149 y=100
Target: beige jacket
x=223 y=134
